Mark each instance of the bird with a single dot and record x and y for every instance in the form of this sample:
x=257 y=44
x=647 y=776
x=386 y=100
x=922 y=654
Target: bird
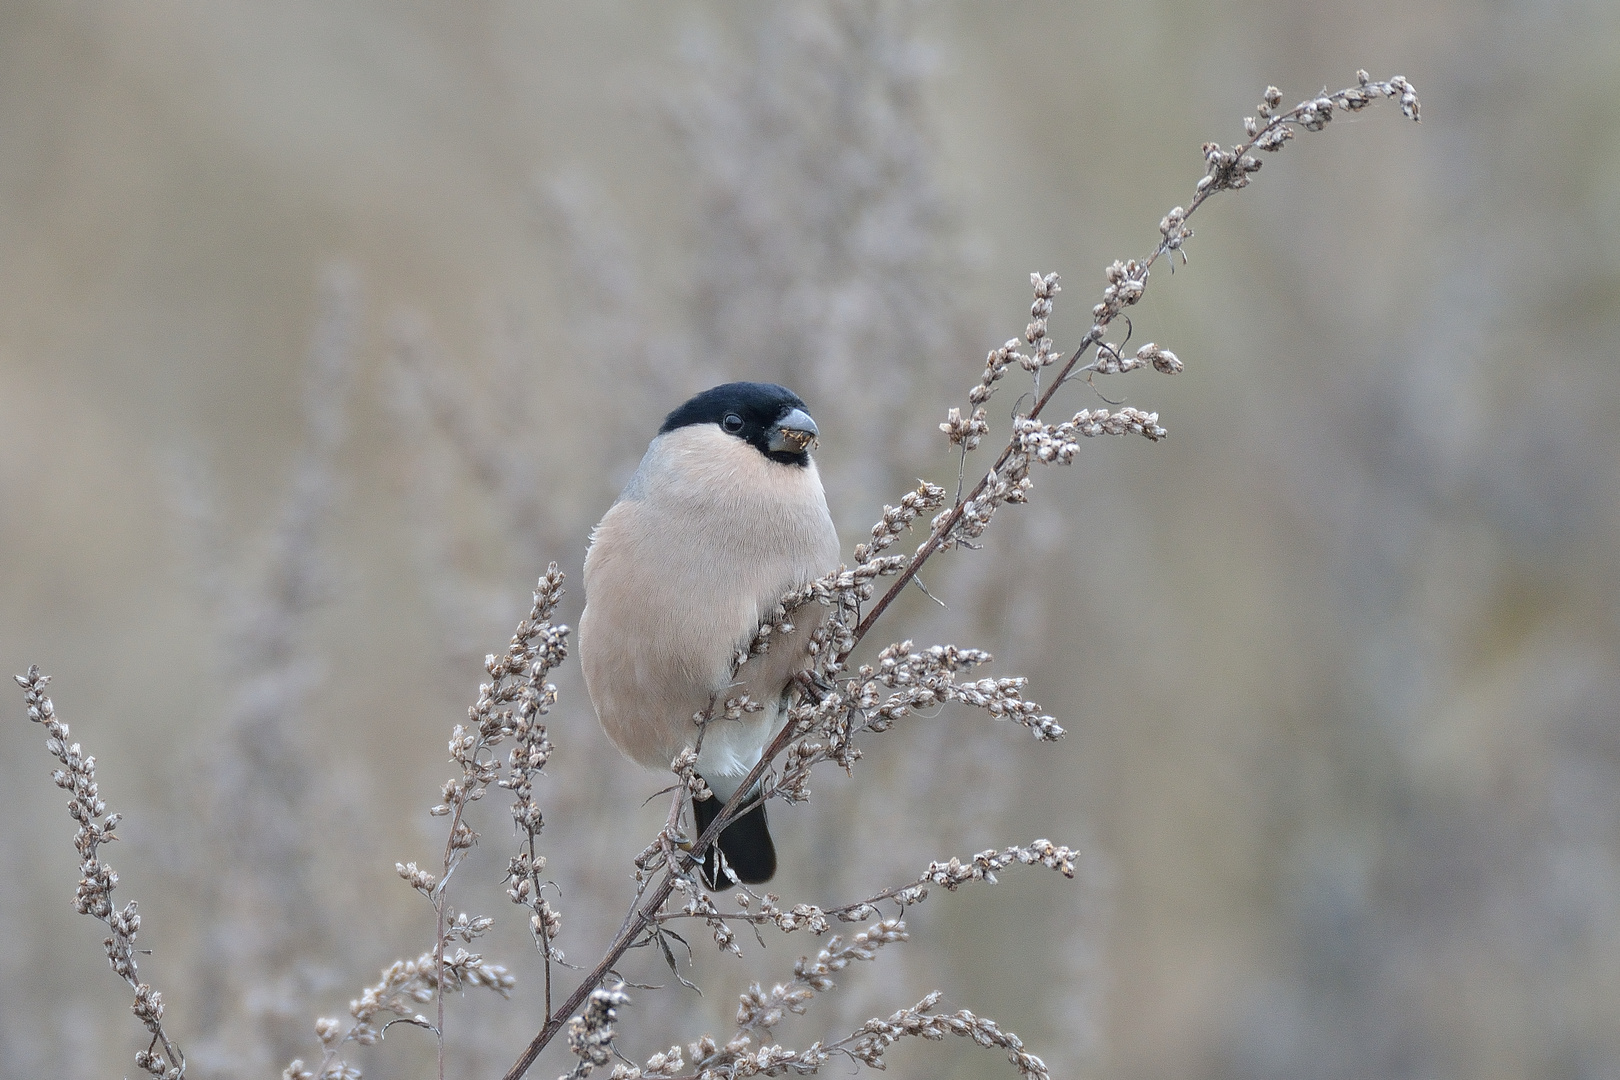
x=723 y=517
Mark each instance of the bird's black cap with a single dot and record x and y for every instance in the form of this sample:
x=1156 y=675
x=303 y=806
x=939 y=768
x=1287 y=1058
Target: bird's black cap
x=750 y=411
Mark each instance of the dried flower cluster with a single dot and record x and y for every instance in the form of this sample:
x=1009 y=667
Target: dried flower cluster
x=537 y=648
x=1047 y=443
x=1230 y=169
x=1110 y=361
x=510 y=707
x=866 y=1045
x=97 y=880
x=590 y=1034
x=920 y=1021
x=1035 y=333
x=995 y=364
x=897 y=519
x=403 y=986
x=826 y=727
x=760 y=1011
x=951 y=875
x=685 y=769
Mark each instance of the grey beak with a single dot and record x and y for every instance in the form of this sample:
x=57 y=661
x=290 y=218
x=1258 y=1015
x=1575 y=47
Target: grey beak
x=794 y=433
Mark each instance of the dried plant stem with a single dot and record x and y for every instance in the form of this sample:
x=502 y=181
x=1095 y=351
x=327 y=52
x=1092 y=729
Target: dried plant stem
x=439 y=899
x=759 y=1011
x=950 y=875
x=97 y=880
x=937 y=538
x=459 y=839
x=643 y=918
x=1228 y=173
x=536 y=648
x=543 y=929
x=402 y=986
x=512 y=706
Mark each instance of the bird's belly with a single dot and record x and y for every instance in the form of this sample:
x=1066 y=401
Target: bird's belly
x=657 y=642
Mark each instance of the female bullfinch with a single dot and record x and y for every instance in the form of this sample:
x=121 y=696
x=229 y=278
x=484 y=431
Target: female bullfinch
x=724 y=515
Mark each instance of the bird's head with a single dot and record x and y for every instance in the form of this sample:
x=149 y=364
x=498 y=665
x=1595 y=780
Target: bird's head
x=770 y=418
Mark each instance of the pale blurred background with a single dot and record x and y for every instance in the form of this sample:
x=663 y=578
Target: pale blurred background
x=326 y=325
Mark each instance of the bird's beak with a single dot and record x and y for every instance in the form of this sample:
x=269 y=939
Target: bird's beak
x=794 y=433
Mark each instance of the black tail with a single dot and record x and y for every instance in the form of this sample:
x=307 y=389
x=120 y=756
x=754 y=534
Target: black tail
x=746 y=844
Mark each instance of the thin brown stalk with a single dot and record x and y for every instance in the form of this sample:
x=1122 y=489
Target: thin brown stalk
x=162 y=1058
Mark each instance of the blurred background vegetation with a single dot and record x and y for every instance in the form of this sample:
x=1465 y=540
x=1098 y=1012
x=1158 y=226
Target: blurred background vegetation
x=327 y=325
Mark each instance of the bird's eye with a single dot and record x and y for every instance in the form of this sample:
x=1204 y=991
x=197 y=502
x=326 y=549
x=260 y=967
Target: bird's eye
x=732 y=423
